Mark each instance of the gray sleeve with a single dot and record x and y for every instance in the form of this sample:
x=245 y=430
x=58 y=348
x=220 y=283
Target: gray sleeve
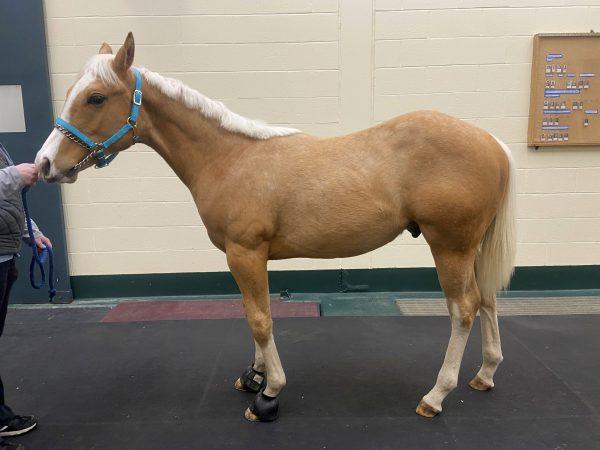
x=10 y=181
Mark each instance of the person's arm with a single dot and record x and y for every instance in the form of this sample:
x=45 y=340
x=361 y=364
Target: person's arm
x=36 y=232
x=40 y=240
x=15 y=178
x=11 y=181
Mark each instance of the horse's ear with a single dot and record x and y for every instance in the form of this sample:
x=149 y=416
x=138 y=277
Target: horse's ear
x=105 y=49
x=124 y=58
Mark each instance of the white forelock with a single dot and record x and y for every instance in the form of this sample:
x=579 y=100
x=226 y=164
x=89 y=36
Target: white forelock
x=100 y=66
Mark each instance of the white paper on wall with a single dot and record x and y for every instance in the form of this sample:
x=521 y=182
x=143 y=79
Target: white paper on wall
x=12 y=116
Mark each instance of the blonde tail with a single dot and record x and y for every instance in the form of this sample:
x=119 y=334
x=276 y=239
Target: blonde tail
x=496 y=260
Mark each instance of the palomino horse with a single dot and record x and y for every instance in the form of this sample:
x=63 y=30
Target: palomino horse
x=271 y=193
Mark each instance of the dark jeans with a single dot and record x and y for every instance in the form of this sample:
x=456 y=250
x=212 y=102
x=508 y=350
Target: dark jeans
x=8 y=275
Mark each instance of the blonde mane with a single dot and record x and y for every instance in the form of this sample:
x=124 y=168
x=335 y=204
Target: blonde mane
x=100 y=67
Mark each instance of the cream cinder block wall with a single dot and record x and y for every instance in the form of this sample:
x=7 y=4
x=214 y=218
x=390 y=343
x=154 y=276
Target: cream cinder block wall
x=326 y=67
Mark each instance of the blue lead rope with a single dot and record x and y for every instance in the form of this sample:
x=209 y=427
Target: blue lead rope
x=36 y=258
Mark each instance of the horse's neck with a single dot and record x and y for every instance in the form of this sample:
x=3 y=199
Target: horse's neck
x=187 y=140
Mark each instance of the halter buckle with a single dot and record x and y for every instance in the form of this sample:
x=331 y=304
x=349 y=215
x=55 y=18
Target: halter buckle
x=133 y=125
x=137 y=97
x=98 y=155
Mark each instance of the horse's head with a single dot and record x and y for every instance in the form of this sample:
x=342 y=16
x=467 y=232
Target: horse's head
x=97 y=105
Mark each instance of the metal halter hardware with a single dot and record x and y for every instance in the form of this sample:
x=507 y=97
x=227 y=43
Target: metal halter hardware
x=97 y=149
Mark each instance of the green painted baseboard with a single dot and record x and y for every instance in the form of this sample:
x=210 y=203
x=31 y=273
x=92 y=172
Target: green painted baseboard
x=424 y=279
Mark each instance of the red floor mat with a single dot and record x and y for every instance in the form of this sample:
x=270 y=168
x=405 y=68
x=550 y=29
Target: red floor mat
x=147 y=311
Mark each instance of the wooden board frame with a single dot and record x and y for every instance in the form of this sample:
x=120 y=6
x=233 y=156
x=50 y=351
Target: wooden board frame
x=575 y=50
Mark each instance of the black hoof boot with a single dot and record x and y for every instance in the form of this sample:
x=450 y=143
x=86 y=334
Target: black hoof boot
x=251 y=380
x=263 y=409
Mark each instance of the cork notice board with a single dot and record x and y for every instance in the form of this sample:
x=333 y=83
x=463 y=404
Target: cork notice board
x=565 y=90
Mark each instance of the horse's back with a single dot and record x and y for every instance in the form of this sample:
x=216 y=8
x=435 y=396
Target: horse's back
x=432 y=151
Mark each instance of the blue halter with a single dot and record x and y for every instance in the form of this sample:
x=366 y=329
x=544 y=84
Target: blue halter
x=97 y=149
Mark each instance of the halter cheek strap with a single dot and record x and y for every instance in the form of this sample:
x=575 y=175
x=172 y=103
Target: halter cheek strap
x=97 y=149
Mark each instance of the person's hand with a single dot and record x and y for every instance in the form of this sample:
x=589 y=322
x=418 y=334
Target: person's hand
x=28 y=172
x=42 y=242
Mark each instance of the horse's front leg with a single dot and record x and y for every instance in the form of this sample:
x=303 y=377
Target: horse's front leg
x=249 y=268
x=253 y=379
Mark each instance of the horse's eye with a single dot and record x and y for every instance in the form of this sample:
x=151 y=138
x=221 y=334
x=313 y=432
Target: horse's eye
x=96 y=99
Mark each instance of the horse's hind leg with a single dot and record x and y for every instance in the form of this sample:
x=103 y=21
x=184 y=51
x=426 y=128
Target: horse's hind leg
x=249 y=268
x=457 y=278
x=490 y=342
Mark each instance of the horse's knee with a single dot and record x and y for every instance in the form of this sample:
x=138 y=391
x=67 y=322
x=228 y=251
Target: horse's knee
x=261 y=326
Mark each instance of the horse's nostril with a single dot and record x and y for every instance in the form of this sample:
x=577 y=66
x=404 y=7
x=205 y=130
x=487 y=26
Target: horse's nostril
x=45 y=166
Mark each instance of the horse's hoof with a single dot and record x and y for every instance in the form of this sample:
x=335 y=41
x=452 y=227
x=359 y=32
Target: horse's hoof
x=250 y=416
x=263 y=409
x=238 y=385
x=478 y=384
x=426 y=410
x=251 y=381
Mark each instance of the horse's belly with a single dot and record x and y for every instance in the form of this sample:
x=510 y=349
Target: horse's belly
x=334 y=237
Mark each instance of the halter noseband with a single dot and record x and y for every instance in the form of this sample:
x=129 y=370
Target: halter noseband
x=97 y=149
